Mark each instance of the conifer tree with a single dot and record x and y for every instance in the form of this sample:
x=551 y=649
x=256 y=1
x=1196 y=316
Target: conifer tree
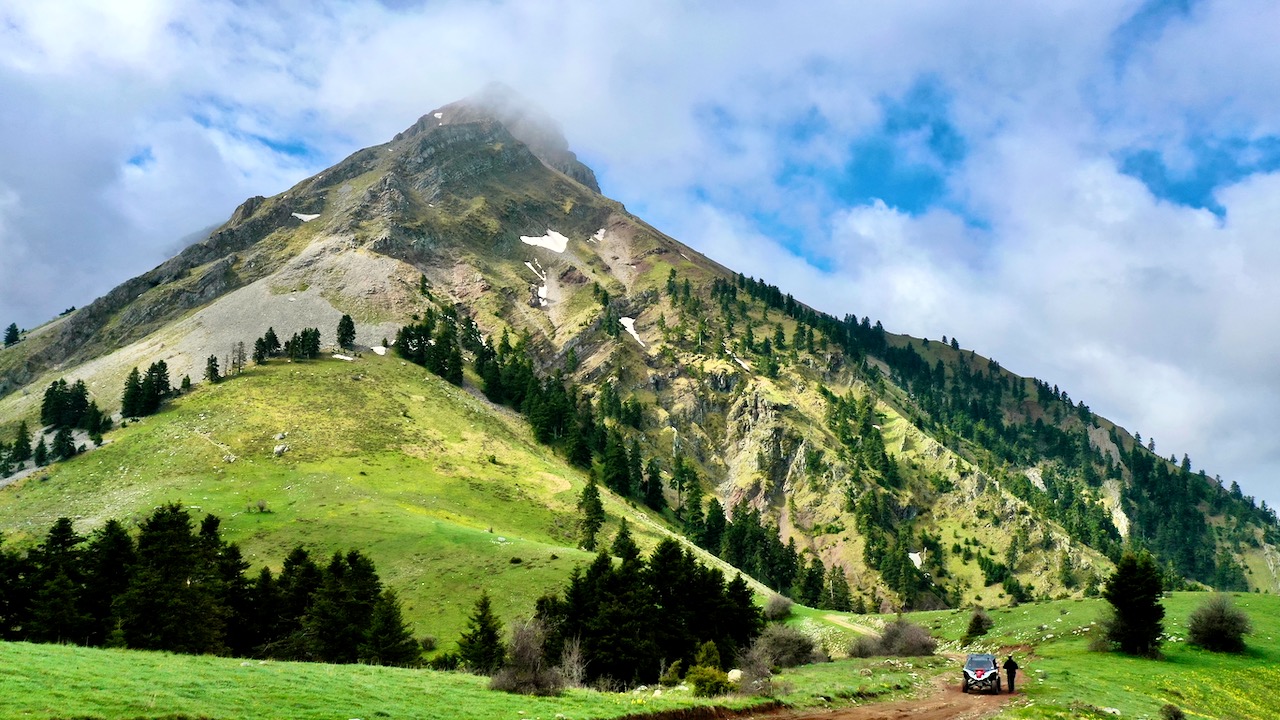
x=1134 y=593
x=132 y=401
x=58 y=584
x=41 y=454
x=272 y=342
x=172 y=602
x=624 y=546
x=11 y=334
x=346 y=332
x=109 y=561
x=63 y=444
x=21 y=449
x=593 y=516
x=388 y=640
x=481 y=645
x=211 y=372
x=653 y=496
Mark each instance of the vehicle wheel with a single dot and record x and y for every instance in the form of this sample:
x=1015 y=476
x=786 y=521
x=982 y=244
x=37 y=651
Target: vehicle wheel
x=964 y=686
x=997 y=687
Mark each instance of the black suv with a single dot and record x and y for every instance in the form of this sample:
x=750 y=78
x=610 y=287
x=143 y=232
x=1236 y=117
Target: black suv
x=981 y=673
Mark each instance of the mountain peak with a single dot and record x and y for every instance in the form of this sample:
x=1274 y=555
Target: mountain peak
x=526 y=122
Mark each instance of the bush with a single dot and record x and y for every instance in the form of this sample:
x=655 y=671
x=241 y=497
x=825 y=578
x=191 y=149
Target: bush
x=671 y=676
x=1218 y=626
x=1172 y=712
x=785 y=646
x=979 y=624
x=525 y=672
x=445 y=661
x=778 y=608
x=899 y=639
x=757 y=672
x=573 y=664
x=708 y=681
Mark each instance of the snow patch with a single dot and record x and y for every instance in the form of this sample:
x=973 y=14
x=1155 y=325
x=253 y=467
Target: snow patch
x=742 y=362
x=552 y=241
x=1033 y=474
x=541 y=273
x=630 y=325
x=306 y=218
x=598 y=236
x=438 y=116
x=348 y=358
x=917 y=559
x=378 y=350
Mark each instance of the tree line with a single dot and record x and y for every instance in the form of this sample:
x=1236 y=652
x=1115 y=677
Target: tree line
x=180 y=587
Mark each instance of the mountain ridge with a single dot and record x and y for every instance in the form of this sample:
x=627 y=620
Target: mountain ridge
x=871 y=450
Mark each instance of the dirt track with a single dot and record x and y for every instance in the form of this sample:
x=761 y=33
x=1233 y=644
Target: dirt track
x=946 y=702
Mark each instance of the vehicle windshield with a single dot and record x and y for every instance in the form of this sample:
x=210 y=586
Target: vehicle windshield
x=986 y=662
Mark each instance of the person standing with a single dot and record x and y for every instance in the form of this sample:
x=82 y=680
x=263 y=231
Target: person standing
x=1011 y=670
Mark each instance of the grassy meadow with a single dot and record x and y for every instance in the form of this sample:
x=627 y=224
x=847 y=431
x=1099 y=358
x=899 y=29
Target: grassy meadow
x=447 y=495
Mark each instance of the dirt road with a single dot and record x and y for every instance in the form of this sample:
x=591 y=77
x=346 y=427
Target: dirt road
x=946 y=702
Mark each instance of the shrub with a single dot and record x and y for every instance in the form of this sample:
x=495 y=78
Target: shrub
x=671 y=676
x=1218 y=626
x=708 y=681
x=899 y=639
x=525 y=672
x=778 y=608
x=979 y=624
x=785 y=646
x=757 y=672
x=445 y=661
x=1172 y=712
x=708 y=655
x=573 y=664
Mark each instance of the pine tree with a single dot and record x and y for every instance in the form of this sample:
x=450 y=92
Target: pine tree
x=1134 y=593
x=172 y=602
x=272 y=342
x=109 y=561
x=346 y=332
x=593 y=516
x=481 y=646
x=616 y=474
x=132 y=401
x=58 y=583
x=11 y=334
x=624 y=547
x=63 y=444
x=211 y=369
x=653 y=496
x=21 y=449
x=41 y=454
x=388 y=640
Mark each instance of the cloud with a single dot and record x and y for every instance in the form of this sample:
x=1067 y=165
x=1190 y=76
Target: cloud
x=960 y=169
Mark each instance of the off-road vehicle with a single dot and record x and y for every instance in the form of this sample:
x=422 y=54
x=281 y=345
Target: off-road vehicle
x=981 y=673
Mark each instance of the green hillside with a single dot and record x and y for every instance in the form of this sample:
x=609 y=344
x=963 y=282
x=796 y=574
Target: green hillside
x=447 y=494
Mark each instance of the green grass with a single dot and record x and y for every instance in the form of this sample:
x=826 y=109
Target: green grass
x=382 y=457
x=1063 y=678
x=48 y=681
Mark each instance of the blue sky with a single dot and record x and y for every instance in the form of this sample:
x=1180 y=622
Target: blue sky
x=1084 y=191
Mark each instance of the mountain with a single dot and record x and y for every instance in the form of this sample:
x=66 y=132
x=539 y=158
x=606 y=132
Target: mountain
x=928 y=474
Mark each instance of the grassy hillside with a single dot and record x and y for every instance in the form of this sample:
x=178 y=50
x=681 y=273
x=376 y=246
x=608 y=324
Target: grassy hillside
x=445 y=493
x=1062 y=678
